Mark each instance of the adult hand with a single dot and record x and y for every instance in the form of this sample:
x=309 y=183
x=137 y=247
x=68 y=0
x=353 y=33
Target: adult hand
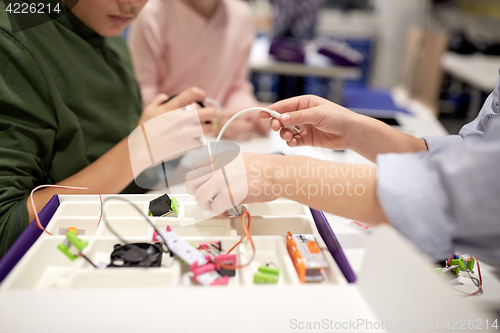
x=322 y=123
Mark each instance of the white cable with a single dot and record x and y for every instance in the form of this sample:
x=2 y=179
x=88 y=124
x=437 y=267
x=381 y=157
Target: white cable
x=274 y=114
x=214 y=102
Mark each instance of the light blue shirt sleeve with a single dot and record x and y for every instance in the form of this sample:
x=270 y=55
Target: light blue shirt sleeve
x=449 y=197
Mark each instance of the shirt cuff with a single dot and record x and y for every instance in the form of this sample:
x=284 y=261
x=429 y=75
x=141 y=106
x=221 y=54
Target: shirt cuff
x=434 y=143
x=414 y=201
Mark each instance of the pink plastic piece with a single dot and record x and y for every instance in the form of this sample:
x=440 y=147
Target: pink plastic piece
x=198 y=270
x=203 y=246
x=221 y=282
x=223 y=258
x=168 y=228
x=155 y=234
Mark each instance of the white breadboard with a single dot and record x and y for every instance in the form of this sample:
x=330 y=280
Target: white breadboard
x=45 y=267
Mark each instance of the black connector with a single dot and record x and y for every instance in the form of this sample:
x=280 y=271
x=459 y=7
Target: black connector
x=160 y=206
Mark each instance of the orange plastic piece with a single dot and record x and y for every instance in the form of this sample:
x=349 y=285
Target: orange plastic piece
x=73 y=229
x=296 y=257
x=313 y=247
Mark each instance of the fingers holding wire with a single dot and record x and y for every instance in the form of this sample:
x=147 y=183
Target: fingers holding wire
x=275 y=124
x=292 y=138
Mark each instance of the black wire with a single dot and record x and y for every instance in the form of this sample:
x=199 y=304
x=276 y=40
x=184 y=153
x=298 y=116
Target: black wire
x=475 y=281
x=86 y=258
x=141 y=213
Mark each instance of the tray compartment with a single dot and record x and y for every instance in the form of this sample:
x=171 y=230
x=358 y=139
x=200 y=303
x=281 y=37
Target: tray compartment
x=87 y=224
x=276 y=208
x=112 y=278
x=191 y=209
x=41 y=267
x=226 y=243
x=93 y=208
x=276 y=226
x=208 y=228
x=269 y=250
x=130 y=227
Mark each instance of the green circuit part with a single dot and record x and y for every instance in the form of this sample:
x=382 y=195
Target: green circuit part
x=269 y=270
x=72 y=245
x=150 y=214
x=470 y=264
x=266 y=274
x=438 y=270
x=260 y=278
x=459 y=262
x=174 y=204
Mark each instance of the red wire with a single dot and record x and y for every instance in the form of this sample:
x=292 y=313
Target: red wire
x=247 y=235
x=449 y=259
x=480 y=279
x=37 y=219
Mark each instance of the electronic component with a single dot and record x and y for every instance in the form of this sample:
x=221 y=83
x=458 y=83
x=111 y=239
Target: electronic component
x=64 y=231
x=266 y=274
x=225 y=259
x=163 y=206
x=72 y=245
x=458 y=264
x=207 y=275
x=181 y=248
x=306 y=257
x=136 y=255
x=202 y=269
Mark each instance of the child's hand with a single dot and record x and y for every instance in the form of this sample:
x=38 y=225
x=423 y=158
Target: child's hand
x=168 y=130
x=158 y=106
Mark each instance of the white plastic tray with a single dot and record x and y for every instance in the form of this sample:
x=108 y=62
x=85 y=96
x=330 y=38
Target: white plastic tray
x=44 y=267
x=395 y=284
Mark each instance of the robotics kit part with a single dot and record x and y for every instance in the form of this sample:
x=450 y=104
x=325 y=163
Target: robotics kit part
x=72 y=245
x=306 y=257
x=136 y=255
x=163 y=206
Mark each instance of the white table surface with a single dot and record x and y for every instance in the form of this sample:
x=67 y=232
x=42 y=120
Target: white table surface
x=477 y=70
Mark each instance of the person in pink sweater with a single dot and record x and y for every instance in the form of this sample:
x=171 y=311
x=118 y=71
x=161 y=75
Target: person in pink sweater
x=176 y=44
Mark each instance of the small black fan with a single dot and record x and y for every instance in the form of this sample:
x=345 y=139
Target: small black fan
x=136 y=255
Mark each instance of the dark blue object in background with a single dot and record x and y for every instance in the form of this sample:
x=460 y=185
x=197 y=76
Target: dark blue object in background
x=371 y=99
